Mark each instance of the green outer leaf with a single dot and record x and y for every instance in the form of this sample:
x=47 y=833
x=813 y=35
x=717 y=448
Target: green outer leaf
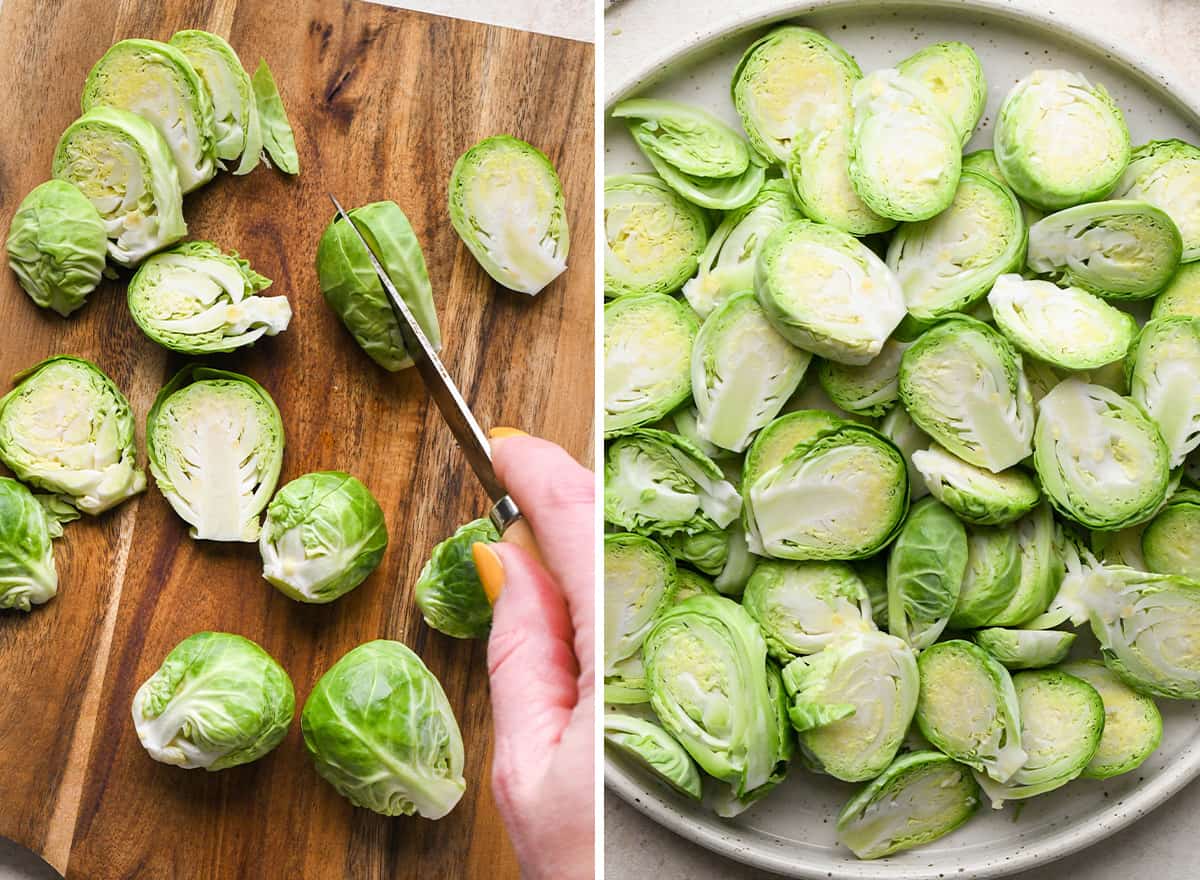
x=975 y=494
x=1025 y=648
x=992 y=576
x=449 y=592
x=925 y=573
x=278 y=139
x=653 y=749
x=215 y=61
x=27 y=572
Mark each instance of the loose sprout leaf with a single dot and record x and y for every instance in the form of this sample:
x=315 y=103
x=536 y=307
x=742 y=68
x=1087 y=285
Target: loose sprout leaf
x=653 y=237
x=28 y=575
x=652 y=748
x=277 y=136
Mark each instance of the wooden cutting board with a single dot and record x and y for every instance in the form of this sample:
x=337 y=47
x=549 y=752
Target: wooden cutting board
x=383 y=101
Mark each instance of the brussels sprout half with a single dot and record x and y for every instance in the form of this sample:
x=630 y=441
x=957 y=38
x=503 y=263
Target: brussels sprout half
x=952 y=74
x=28 y=575
x=992 y=576
x=278 y=140
x=648 y=341
x=975 y=494
x=983 y=162
x=690 y=583
x=867 y=390
x=653 y=749
x=448 y=590
x=236 y=125
x=1040 y=571
x=653 y=237
x=1164 y=370
x=926 y=566
x=1167 y=175
x=819 y=171
x=1181 y=296
x=899 y=427
x=776 y=440
x=1171 y=541
x=639 y=583
x=1025 y=648
x=1132 y=723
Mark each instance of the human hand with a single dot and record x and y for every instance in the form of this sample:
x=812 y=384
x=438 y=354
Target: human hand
x=540 y=660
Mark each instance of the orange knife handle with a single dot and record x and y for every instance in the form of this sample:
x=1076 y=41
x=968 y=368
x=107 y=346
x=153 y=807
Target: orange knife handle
x=520 y=534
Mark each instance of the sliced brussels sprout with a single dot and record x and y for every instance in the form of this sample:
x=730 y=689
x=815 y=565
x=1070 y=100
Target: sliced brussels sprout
x=1167 y=175
x=843 y=495
x=975 y=494
x=123 y=166
x=925 y=573
x=215 y=441
x=236 y=126
x=726 y=266
x=867 y=390
x=694 y=152
x=197 y=300
x=949 y=263
x=1181 y=296
x=648 y=341
x=781 y=436
x=639 y=583
x=506 y=204
x=217 y=701
x=1040 y=574
x=56 y=246
x=1171 y=541
x=921 y=796
x=962 y=383
x=1163 y=370
x=801 y=607
x=983 y=162
x=905 y=153
x=278 y=140
x=899 y=427
x=1060 y=140
x=952 y=74
x=819 y=171
x=826 y=292
x=654 y=237
x=28 y=575
x=1100 y=460
x=380 y=731
x=1132 y=723
x=968 y=708
x=158 y=83
x=1078 y=568
x=1025 y=648
x=353 y=290
x=992 y=577
x=690 y=583
x=1118 y=249
x=448 y=591
x=652 y=748
x=68 y=429
x=1062 y=720
x=685 y=422
x=852 y=703
x=707 y=551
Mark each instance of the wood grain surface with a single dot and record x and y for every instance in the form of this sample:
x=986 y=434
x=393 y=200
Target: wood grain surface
x=383 y=101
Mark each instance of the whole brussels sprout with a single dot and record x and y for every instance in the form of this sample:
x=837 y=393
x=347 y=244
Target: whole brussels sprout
x=1132 y=723
x=992 y=576
x=652 y=748
x=1171 y=541
x=1181 y=296
x=653 y=237
x=1167 y=175
x=380 y=730
x=278 y=140
x=867 y=390
x=648 y=343
x=639 y=584
x=926 y=566
x=1163 y=370
x=975 y=494
x=899 y=427
x=1025 y=648
x=952 y=74
x=449 y=592
x=236 y=125
x=28 y=575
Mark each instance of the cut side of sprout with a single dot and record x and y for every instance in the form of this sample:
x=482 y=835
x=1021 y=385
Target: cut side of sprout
x=639 y=583
x=977 y=495
x=1163 y=370
x=1167 y=175
x=952 y=74
x=648 y=343
x=1132 y=723
x=653 y=236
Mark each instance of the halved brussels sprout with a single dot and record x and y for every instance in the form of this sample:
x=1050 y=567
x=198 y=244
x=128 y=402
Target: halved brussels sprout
x=905 y=153
x=639 y=583
x=952 y=74
x=56 y=246
x=727 y=263
x=506 y=204
x=802 y=607
x=655 y=750
x=1164 y=370
x=1025 y=648
x=867 y=390
x=448 y=591
x=819 y=171
x=158 y=83
x=1132 y=723
x=843 y=495
x=236 y=126
x=899 y=427
x=992 y=576
x=926 y=566
x=983 y=162
x=743 y=372
x=648 y=342
x=215 y=441
x=1062 y=720
x=1040 y=574
x=278 y=140
x=123 y=166
x=922 y=796
x=1167 y=175
x=353 y=290
x=950 y=262
x=1171 y=541
x=217 y=701
x=1118 y=249
x=1078 y=567
x=852 y=703
x=690 y=583
x=653 y=237
x=1100 y=460
x=723 y=554
x=1060 y=140
x=968 y=708
x=825 y=291
x=1181 y=296
x=977 y=495
x=28 y=575
x=776 y=440
x=68 y=429
x=380 y=731
x=962 y=383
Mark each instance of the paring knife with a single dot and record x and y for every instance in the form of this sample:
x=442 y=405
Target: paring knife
x=505 y=515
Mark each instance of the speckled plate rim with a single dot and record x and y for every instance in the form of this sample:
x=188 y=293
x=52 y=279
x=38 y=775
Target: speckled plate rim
x=630 y=785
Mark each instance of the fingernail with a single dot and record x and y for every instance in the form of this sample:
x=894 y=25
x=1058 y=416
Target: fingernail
x=490 y=568
x=500 y=433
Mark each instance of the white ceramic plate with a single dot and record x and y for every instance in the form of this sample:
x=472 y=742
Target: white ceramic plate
x=792 y=831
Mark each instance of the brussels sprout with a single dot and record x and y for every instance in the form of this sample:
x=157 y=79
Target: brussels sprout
x=381 y=732
x=1121 y=548
x=899 y=427
x=727 y=263
x=28 y=575
x=1132 y=723
x=653 y=236
x=776 y=440
x=843 y=495
x=1181 y=296
x=720 y=553
x=685 y=422
x=801 y=607
x=920 y=797
x=1167 y=175
x=1025 y=648
x=949 y=263
x=740 y=564
x=968 y=708
x=983 y=162
x=648 y=342
x=977 y=495
x=1100 y=460
x=506 y=204
x=324 y=534
x=639 y=583
x=278 y=140
x=853 y=702
x=743 y=372
x=953 y=76
x=962 y=383
x=448 y=591
x=1171 y=541
x=827 y=292
x=236 y=125
x=925 y=573
x=709 y=684
x=123 y=166
x=992 y=576
x=197 y=300
x=56 y=245
x=68 y=429
x=1062 y=719
x=217 y=701
x=1078 y=567
x=158 y=83
x=689 y=583
x=1118 y=250
x=1050 y=169
x=353 y=290
x=215 y=441
x=655 y=750
x=1040 y=571
x=867 y=390
x=1163 y=370
x=905 y=153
